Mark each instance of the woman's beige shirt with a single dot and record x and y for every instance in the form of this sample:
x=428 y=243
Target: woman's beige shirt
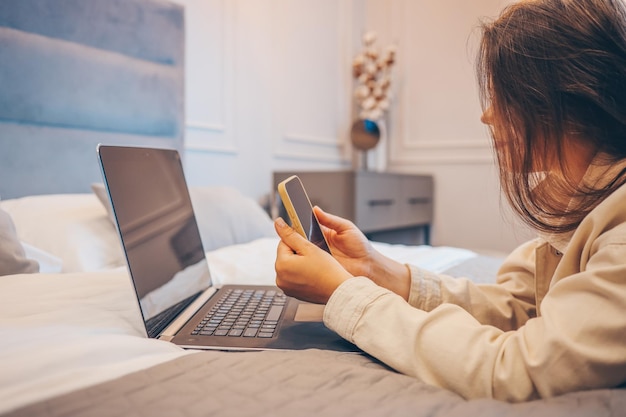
x=555 y=321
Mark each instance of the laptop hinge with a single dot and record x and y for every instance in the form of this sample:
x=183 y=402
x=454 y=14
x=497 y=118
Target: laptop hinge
x=171 y=330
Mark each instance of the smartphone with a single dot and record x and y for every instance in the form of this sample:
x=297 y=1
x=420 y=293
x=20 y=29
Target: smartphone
x=300 y=211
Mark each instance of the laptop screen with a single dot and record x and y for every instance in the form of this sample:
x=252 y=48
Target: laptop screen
x=157 y=226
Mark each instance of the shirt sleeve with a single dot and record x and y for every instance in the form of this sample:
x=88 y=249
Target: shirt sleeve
x=507 y=305
x=577 y=343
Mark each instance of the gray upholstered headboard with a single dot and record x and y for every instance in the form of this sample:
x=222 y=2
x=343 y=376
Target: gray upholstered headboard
x=75 y=73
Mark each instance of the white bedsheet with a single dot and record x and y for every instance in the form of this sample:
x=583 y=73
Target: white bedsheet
x=61 y=332
x=253 y=263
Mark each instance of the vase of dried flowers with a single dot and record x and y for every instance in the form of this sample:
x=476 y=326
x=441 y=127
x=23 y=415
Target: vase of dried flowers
x=371 y=69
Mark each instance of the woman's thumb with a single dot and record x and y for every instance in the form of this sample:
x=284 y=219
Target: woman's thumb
x=288 y=235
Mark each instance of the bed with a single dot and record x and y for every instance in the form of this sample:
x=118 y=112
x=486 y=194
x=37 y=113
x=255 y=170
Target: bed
x=73 y=343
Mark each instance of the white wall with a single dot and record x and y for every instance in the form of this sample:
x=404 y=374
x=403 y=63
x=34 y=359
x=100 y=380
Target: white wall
x=269 y=88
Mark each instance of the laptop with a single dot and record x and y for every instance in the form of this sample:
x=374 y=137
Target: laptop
x=170 y=273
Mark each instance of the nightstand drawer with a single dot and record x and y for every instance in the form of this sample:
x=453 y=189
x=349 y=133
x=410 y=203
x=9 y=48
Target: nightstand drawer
x=416 y=204
x=377 y=202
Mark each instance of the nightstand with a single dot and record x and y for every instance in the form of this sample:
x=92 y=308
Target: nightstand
x=385 y=206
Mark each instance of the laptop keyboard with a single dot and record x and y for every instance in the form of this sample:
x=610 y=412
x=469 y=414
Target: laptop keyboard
x=243 y=313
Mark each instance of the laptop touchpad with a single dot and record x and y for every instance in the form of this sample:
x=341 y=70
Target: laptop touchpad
x=309 y=312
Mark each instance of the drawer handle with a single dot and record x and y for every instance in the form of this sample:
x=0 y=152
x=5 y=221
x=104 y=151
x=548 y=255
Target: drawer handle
x=385 y=202
x=418 y=200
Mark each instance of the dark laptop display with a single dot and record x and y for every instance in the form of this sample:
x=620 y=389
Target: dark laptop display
x=170 y=274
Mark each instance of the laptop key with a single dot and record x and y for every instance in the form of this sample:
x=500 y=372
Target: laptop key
x=250 y=332
x=274 y=313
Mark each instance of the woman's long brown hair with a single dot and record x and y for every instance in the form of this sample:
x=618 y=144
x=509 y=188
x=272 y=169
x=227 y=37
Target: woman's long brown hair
x=554 y=71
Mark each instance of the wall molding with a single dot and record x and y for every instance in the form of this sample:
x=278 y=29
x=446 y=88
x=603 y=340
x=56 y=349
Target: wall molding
x=457 y=159
x=311 y=140
x=447 y=144
x=408 y=146
x=444 y=152
x=203 y=134
x=311 y=157
x=304 y=146
x=204 y=126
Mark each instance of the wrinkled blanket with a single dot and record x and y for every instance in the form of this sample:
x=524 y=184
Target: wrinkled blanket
x=305 y=383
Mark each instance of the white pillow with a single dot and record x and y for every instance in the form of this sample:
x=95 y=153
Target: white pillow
x=103 y=196
x=72 y=227
x=226 y=217
x=13 y=259
x=48 y=263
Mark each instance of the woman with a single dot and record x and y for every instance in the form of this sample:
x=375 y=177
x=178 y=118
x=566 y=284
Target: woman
x=553 y=80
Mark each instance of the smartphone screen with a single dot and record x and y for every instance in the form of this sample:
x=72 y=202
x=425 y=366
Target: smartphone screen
x=297 y=197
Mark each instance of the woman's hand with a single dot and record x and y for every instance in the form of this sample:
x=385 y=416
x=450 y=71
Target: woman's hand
x=357 y=255
x=303 y=270
x=347 y=243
